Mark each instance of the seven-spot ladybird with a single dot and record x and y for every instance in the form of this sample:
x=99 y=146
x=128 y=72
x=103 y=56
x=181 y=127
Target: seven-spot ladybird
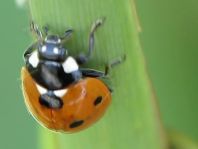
x=61 y=95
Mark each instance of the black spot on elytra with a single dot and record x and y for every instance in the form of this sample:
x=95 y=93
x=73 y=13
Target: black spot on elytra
x=76 y=124
x=98 y=100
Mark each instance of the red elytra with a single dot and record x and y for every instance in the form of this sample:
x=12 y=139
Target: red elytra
x=84 y=103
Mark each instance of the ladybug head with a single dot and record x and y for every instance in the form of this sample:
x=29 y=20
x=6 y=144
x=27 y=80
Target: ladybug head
x=51 y=49
x=53 y=39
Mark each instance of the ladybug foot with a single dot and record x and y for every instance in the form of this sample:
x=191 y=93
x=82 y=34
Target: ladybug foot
x=50 y=100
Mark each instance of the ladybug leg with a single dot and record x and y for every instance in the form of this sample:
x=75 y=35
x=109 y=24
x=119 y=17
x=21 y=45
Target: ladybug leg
x=35 y=29
x=50 y=100
x=94 y=27
x=83 y=58
x=114 y=63
x=46 y=30
x=86 y=72
x=29 y=50
x=67 y=34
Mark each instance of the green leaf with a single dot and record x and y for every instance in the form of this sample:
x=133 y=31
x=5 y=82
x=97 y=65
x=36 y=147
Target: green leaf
x=133 y=120
x=47 y=140
x=180 y=141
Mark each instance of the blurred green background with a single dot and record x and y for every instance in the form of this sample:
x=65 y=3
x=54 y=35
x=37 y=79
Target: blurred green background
x=169 y=40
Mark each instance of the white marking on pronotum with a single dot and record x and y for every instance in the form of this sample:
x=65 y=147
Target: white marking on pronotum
x=34 y=60
x=70 y=65
x=55 y=50
x=44 y=48
x=60 y=93
x=41 y=89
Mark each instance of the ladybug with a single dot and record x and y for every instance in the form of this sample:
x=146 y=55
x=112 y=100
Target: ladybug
x=59 y=93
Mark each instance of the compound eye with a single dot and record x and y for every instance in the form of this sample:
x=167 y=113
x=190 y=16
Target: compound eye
x=56 y=50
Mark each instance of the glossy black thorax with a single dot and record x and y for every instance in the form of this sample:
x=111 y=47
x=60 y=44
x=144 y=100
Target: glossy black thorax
x=51 y=75
x=49 y=71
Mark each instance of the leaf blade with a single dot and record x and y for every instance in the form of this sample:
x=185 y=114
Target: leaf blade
x=132 y=120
